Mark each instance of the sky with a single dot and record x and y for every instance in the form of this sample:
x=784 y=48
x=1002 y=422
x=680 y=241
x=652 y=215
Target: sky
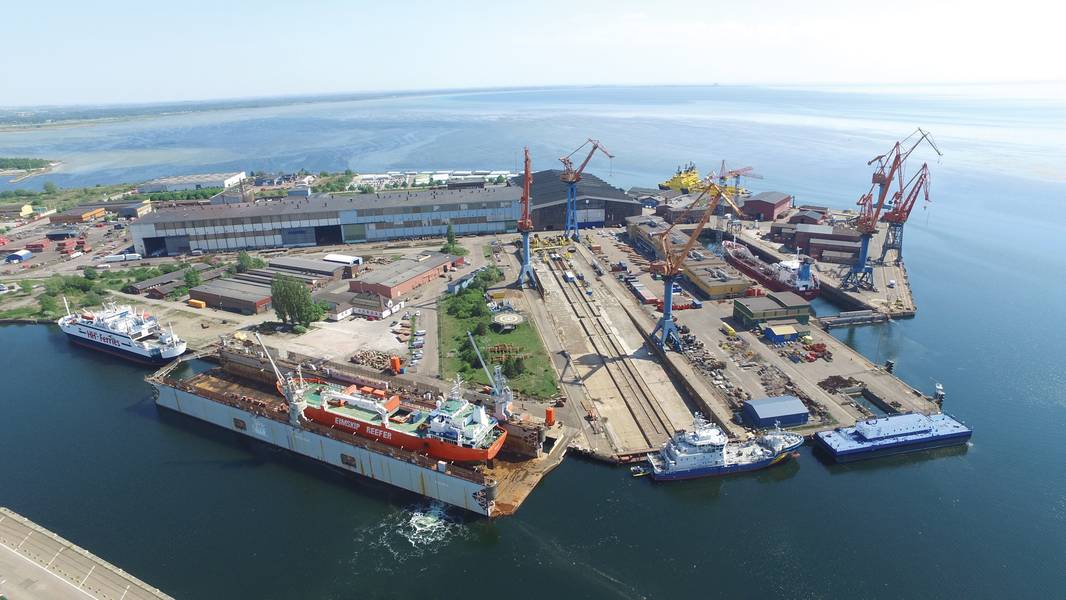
x=65 y=52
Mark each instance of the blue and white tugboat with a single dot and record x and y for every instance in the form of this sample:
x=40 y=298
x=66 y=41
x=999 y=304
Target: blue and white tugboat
x=706 y=451
x=121 y=331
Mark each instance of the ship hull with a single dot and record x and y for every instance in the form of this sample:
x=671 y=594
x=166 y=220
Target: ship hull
x=905 y=447
x=766 y=281
x=720 y=471
x=154 y=359
x=436 y=448
x=437 y=484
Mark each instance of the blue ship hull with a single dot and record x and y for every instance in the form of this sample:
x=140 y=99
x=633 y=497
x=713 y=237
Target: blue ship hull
x=155 y=360
x=902 y=447
x=720 y=471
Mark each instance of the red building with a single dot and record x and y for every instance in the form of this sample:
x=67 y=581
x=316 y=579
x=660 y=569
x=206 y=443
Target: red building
x=402 y=276
x=766 y=206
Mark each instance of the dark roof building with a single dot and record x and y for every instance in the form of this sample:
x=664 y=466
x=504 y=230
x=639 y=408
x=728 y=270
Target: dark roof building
x=227 y=294
x=598 y=203
x=787 y=411
x=775 y=306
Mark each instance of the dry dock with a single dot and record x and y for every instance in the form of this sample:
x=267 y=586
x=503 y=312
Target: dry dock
x=36 y=564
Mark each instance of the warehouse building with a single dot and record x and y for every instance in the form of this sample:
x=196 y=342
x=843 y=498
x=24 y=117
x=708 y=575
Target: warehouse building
x=133 y=209
x=227 y=294
x=180 y=183
x=405 y=275
x=775 y=306
x=15 y=211
x=141 y=287
x=714 y=278
x=766 y=206
x=765 y=413
x=598 y=203
x=308 y=266
x=78 y=214
x=341 y=305
x=645 y=232
x=323 y=219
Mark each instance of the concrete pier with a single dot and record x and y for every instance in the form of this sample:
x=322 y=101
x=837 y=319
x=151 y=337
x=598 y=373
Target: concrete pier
x=36 y=564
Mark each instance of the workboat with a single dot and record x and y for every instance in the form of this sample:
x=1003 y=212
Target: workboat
x=455 y=430
x=895 y=434
x=792 y=275
x=122 y=331
x=706 y=451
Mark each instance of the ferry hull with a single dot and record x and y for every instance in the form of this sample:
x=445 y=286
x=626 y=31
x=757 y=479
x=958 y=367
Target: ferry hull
x=153 y=360
x=894 y=449
x=431 y=483
x=720 y=471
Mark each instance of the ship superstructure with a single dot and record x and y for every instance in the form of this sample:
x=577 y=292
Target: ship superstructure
x=793 y=275
x=895 y=434
x=706 y=451
x=122 y=331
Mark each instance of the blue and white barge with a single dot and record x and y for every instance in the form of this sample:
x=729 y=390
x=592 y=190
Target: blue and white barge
x=894 y=434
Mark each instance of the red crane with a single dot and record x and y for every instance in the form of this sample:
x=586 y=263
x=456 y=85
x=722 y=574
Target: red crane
x=571 y=176
x=525 y=225
x=902 y=206
x=889 y=171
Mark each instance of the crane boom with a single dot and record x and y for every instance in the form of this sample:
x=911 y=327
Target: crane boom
x=526 y=222
x=481 y=360
x=918 y=184
x=572 y=175
x=674 y=260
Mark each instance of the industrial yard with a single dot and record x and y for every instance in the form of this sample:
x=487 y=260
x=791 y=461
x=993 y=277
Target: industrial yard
x=607 y=330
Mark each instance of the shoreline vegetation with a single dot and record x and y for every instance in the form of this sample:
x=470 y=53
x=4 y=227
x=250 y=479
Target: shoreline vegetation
x=24 y=168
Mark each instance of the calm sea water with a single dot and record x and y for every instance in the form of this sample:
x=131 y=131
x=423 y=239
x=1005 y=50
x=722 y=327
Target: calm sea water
x=203 y=514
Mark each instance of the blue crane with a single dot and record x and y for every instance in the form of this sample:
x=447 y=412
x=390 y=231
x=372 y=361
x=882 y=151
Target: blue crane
x=571 y=176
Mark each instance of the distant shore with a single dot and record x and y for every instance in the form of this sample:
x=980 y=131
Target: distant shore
x=23 y=174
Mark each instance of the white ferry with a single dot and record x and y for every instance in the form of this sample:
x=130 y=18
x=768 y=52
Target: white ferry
x=121 y=331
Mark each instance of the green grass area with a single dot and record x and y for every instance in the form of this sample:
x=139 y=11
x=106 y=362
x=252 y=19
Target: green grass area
x=63 y=198
x=537 y=378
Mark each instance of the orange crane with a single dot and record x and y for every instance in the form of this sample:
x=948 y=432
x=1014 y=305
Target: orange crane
x=901 y=211
x=669 y=267
x=889 y=173
x=525 y=226
x=723 y=181
x=571 y=176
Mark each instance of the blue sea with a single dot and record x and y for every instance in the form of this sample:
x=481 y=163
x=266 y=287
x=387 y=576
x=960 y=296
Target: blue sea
x=203 y=515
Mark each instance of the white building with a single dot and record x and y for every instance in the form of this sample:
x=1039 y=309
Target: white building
x=179 y=183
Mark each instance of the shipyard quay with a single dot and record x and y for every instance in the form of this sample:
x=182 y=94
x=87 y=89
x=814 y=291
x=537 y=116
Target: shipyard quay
x=324 y=219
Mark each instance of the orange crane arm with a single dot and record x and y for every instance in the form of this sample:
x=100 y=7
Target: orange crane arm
x=917 y=185
x=674 y=260
x=526 y=222
x=571 y=174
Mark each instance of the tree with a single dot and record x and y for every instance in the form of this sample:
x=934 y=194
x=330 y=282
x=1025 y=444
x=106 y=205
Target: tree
x=50 y=188
x=451 y=234
x=27 y=287
x=49 y=305
x=481 y=328
x=247 y=262
x=90 y=273
x=192 y=278
x=293 y=303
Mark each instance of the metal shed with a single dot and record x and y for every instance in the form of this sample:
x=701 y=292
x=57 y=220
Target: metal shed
x=788 y=411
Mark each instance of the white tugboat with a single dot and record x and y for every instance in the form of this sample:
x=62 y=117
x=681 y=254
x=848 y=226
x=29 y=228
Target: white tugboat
x=706 y=451
x=121 y=331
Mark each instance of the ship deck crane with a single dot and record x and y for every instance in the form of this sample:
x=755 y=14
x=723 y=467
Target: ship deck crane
x=888 y=174
x=525 y=226
x=502 y=395
x=666 y=332
x=901 y=211
x=570 y=177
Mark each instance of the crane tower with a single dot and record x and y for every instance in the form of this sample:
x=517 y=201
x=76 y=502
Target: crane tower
x=571 y=176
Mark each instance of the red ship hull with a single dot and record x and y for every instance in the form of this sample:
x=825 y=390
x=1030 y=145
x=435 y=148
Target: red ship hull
x=434 y=447
x=768 y=282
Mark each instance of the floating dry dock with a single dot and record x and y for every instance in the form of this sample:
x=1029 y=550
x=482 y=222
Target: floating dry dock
x=239 y=395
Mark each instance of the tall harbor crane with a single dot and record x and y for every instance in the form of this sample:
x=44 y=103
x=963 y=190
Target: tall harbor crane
x=901 y=211
x=669 y=267
x=525 y=226
x=888 y=174
x=571 y=176
x=502 y=395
